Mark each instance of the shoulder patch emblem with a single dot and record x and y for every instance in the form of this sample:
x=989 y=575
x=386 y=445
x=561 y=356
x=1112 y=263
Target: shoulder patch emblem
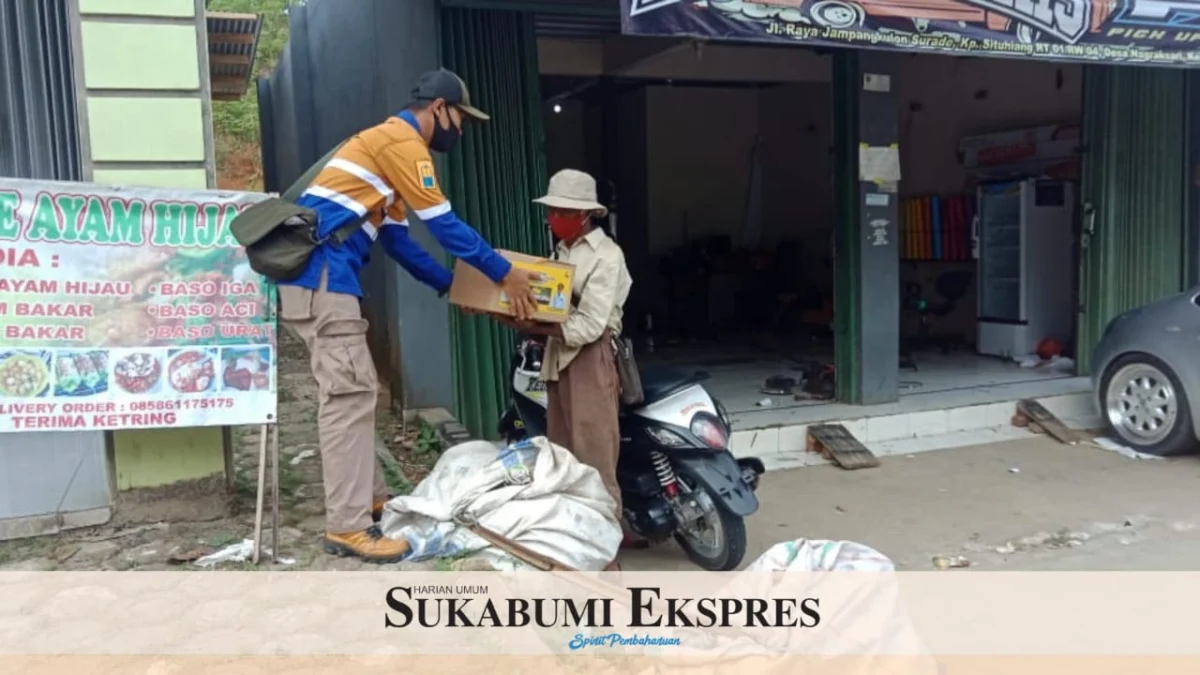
x=426 y=175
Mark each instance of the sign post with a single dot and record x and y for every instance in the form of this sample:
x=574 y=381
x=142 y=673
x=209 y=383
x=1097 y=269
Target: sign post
x=133 y=308
x=265 y=431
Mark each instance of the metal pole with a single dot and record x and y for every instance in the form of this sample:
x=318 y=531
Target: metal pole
x=258 y=502
x=274 y=493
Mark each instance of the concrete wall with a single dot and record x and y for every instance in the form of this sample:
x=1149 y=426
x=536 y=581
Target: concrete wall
x=146 y=112
x=651 y=57
x=699 y=138
x=943 y=99
x=699 y=149
x=700 y=142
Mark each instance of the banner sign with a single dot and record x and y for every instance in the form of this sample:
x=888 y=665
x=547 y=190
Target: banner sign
x=1153 y=32
x=130 y=308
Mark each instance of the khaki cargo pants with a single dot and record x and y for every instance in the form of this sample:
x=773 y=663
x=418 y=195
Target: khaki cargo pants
x=332 y=327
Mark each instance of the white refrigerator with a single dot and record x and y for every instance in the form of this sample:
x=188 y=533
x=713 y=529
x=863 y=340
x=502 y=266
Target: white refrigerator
x=1025 y=246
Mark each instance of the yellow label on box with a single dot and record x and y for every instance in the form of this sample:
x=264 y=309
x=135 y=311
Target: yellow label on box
x=552 y=292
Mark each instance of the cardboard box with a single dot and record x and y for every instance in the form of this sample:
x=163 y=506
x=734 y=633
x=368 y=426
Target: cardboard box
x=473 y=290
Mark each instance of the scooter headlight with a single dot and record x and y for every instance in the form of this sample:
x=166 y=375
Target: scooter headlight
x=710 y=432
x=667 y=438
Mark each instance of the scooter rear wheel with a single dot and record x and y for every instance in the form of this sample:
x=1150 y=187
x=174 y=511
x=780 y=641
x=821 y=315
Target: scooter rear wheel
x=727 y=533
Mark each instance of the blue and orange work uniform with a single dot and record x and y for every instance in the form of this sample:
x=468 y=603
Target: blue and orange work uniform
x=384 y=172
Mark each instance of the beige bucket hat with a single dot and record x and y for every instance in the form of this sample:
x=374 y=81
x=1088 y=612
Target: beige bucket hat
x=571 y=189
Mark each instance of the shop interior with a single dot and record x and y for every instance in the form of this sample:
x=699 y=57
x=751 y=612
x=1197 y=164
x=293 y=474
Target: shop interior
x=726 y=152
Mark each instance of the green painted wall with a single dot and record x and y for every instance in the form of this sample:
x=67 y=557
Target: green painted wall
x=178 y=8
x=190 y=179
x=140 y=56
x=154 y=457
x=146 y=130
x=147 y=122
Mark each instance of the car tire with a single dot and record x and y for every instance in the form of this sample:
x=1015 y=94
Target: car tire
x=1114 y=407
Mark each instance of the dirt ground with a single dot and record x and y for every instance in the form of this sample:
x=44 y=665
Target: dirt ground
x=154 y=529
x=1021 y=505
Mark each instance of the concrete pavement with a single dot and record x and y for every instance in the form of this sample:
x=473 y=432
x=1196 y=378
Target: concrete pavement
x=1020 y=505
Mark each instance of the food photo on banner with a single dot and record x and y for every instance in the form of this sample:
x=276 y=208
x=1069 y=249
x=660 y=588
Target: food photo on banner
x=128 y=308
x=1121 y=31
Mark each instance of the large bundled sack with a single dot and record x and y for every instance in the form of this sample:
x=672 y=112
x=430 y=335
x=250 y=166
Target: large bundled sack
x=821 y=555
x=534 y=493
x=865 y=628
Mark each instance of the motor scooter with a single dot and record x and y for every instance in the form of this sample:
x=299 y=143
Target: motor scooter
x=676 y=473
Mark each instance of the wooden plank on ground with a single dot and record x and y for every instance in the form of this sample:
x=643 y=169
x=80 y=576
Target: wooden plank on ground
x=1037 y=414
x=839 y=446
x=522 y=553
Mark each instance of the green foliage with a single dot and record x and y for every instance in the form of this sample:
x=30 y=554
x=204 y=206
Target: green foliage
x=238 y=120
x=427 y=441
x=394 y=476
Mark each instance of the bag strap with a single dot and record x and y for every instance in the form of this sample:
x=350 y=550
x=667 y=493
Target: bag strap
x=297 y=188
x=577 y=297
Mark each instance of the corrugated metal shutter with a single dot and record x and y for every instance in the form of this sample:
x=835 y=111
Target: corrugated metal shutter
x=574 y=26
x=47 y=474
x=1134 y=178
x=39 y=131
x=492 y=177
x=847 y=297
x=558 y=18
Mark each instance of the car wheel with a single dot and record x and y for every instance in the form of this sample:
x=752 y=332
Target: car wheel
x=1146 y=407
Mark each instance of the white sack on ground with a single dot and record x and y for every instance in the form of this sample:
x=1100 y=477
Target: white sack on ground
x=820 y=555
x=870 y=623
x=534 y=493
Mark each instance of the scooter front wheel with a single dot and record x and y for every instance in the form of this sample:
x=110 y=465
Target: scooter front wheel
x=716 y=542
x=511 y=428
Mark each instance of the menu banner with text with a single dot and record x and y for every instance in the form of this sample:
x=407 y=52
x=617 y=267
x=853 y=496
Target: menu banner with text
x=130 y=308
x=1150 y=32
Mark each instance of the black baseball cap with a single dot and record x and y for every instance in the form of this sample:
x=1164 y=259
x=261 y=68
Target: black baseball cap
x=443 y=84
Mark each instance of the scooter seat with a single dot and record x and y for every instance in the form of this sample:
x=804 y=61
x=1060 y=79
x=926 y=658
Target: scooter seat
x=660 y=382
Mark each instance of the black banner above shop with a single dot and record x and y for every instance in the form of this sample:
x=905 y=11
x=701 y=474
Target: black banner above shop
x=1149 y=32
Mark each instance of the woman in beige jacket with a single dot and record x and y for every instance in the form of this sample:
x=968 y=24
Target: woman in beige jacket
x=579 y=365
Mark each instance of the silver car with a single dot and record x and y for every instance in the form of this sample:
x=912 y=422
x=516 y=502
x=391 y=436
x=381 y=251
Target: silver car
x=1146 y=375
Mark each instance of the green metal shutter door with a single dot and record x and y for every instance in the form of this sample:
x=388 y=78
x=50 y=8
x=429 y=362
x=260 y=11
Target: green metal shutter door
x=1134 y=178
x=493 y=175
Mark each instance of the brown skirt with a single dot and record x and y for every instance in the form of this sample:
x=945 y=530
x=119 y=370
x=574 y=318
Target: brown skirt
x=583 y=410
